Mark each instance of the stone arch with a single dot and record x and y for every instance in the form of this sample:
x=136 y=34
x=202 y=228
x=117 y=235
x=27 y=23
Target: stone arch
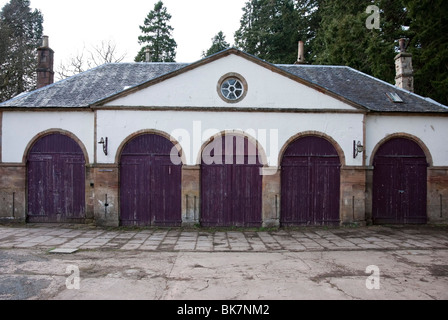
x=40 y=135
x=298 y=136
x=261 y=151
x=408 y=136
x=134 y=135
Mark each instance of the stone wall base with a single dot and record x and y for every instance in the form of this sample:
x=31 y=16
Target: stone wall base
x=103 y=195
x=12 y=193
x=437 y=195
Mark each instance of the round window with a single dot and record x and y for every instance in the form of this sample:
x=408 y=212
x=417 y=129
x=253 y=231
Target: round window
x=232 y=88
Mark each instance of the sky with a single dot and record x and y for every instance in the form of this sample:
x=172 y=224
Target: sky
x=76 y=24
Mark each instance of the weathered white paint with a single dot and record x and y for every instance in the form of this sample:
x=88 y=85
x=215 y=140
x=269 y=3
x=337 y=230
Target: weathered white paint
x=432 y=131
x=19 y=128
x=198 y=88
x=196 y=128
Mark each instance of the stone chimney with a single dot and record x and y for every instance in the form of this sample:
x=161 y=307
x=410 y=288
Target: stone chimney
x=301 y=56
x=403 y=66
x=45 y=60
x=147 y=55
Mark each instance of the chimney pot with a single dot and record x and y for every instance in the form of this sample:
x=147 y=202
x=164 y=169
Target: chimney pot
x=148 y=55
x=45 y=42
x=402 y=43
x=301 y=56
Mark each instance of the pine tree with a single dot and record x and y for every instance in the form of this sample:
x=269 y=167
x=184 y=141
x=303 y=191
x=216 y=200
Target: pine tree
x=219 y=43
x=157 y=36
x=341 y=38
x=269 y=30
x=5 y=42
x=429 y=46
x=344 y=39
x=335 y=33
x=309 y=19
x=20 y=34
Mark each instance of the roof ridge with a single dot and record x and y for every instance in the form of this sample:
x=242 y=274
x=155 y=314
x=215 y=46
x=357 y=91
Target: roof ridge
x=310 y=66
x=143 y=63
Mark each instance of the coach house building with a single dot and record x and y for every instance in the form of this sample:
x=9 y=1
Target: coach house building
x=230 y=140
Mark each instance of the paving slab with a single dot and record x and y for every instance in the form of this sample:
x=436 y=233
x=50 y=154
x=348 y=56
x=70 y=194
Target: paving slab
x=63 y=251
x=313 y=239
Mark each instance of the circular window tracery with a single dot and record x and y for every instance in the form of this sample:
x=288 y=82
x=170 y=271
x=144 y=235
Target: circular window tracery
x=232 y=88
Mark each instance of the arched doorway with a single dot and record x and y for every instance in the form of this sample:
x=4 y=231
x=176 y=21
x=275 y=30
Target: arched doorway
x=231 y=183
x=400 y=183
x=310 y=183
x=150 y=184
x=56 y=180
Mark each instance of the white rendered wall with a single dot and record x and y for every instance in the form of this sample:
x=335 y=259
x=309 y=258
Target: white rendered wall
x=19 y=128
x=198 y=88
x=432 y=131
x=197 y=127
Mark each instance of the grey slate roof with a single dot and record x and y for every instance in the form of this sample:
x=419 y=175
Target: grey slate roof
x=88 y=87
x=363 y=89
x=97 y=84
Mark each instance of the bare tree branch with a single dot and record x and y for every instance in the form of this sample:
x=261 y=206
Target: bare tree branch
x=106 y=52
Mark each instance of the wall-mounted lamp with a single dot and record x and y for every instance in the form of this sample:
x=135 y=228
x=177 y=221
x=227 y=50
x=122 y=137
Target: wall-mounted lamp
x=357 y=149
x=104 y=143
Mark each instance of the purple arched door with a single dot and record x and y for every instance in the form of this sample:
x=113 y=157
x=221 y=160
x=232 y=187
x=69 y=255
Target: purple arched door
x=56 y=180
x=400 y=183
x=310 y=183
x=150 y=184
x=231 y=183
